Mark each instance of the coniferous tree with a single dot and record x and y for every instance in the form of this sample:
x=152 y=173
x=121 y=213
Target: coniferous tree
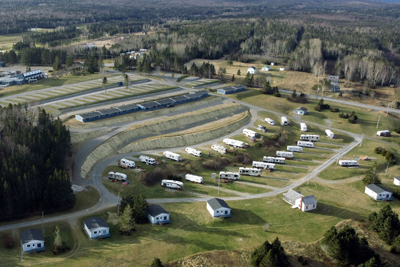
x=371 y=177
x=139 y=209
x=157 y=263
x=126 y=221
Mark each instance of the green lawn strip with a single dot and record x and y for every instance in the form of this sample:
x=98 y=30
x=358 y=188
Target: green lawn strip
x=285 y=168
x=181 y=78
x=264 y=180
x=245 y=188
x=195 y=84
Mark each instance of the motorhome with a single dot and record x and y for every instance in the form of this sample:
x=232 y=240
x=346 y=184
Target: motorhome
x=229 y=175
x=305 y=144
x=250 y=133
x=219 y=148
x=172 y=184
x=250 y=171
x=262 y=128
x=285 y=154
x=117 y=176
x=263 y=165
x=274 y=160
x=309 y=137
x=385 y=133
x=329 y=133
x=234 y=143
x=193 y=151
x=348 y=163
x=194 y=178
x=147 y=160
x=294 y=148
x=303 y=127
x=172 y=155
x=128 y=163
x=284 y=121
x=269 y=121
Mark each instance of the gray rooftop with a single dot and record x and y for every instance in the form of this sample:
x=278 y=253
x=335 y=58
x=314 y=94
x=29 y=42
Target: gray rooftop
x=90 y=115
x=376 y=188
x=309 y=200
x=291 y=196
x=149 y=104
x=95 y=222
x=31 y=234
x=109 y=111
x=155 y=210
x=397 y=178
x=166 y=101
x=302 y=108
x=128 y=107
x=217 y=203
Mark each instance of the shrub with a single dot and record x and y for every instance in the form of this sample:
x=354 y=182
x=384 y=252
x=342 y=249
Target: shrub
x=344 y=115
x=216 y=163
x=383 y=153
x=334 y=109
x=155 y=177
x=8 y=241
x=393 y=249
x=244 y=158
x=378 y=150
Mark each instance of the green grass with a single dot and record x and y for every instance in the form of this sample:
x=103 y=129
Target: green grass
x=181 y=78
x=200 y=83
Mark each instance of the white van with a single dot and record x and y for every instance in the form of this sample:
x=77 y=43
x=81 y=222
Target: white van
x=269 y=121
x=284 y=121
x=172 y=155
x=128 y=163
x=303 y=127
x=147 y=160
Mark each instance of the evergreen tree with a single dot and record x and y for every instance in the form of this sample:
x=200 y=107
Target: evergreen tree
x=294 y=94
x=56 y=64
x=247 y=79
x=157 y=263
x=233 y=78
x=386 y=223
x=70 y=60
x=139 y=209
x=272 y=255
x=59 y=245
x=104 y=82
x=126 y=221
x=371 y=177
x=126 y=81
x=238 y=72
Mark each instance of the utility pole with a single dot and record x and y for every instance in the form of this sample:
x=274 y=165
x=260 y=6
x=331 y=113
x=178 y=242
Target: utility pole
x=42 y=222
x=218 y=185
x=118 y=204
x=387 y=111
x=378 y=121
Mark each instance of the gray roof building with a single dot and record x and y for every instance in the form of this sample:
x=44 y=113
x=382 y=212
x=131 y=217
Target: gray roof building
x=309 y=200
x=155 y=210
x=95 y=222
x=30 y=235
x=291 y=196
x=217 y=203
x=376 y=188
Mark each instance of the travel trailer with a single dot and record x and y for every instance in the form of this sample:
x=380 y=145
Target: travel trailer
x=128 y=163
x=117 y=176
x=305 y=144
x=229 y=175
x=294 y=148
x=147 y=160
x=194 y=178
x=285 y=154
x=250 y=133
x=385 y=133
x=309 y=137
x=348 y=163
x=250 y=171
x=219 y=148
x=263 y=165
x=329 y=133
x=303 y=127
x=274 y=160
x=172 y=184
x=171 y=155
x=234 y=143
x=193 y=151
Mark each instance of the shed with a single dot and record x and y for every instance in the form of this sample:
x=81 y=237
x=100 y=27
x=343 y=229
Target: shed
x=32 y=240
x=396 y=180
x=218 y=208
x=157 y=214
x=297 y=200
x=96 y=227
x=300 y=111
x=252 y=70
x=377 y=192
x=266 y=68
x=281 y=69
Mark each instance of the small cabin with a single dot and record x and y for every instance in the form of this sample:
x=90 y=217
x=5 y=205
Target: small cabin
x=377 y=192
x=96 y=227
x=32 y=240
x=218 y=208
x=157 y=214
x=252 y=70
x=266 y=68
x=297 y=200
x=300 y=111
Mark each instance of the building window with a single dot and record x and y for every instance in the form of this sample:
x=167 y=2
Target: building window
x=28 y=246
x=95 y=232
x=313 y=206
x=39 y=245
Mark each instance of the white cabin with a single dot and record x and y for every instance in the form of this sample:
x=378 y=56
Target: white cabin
x=252 y=70
x=172 y=155
x=127 y=162
x=157 y=214
x=194 y=178
x=117 y=176
x=229 y=175
x=219 y=148
x=263 y=165
x=284 y=121
x=329 y=133
x=303 y=127
x=294 y=148
x=305 y=144
x=396 y=180
x=274 y=160
x=234 y=143
x=309 y=137
x=250 y=133
x=147 y=160
x=270 y=121
x=32 y=240
x=349 y=163
x=285 y=154
x=172 y=184
x=383 y=133
x=96 y=227
x=377 y=192
x=218 y=208
x=297 y=200
x=281 y=69
x=193 y=151
x=250 y=171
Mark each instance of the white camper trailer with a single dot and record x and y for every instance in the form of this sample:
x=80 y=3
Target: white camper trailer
x=309 y=137
x=269 y=121
x=263 y=165
x=383 y=133
x=329 y=133
x=193 y=151
x=147 y=160
x=219 y=148
x=250 y=171
x=171 y=155
x=172 y=184
x=303 y=127
x=117 y=176
x=128 y=163
x=348 y=163
x=274 y=160
x=234 y=143
x=250 y=133
x=262 y=128
x=284 y=121
x=229 y=175
x=294 y=148
x=285 y=154
x=194 y=178
x=305 y=144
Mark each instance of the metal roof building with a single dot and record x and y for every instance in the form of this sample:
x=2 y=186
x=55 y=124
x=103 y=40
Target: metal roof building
x=231 y=89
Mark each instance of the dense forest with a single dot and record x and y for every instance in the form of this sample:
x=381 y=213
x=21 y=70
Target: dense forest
x=33 y=151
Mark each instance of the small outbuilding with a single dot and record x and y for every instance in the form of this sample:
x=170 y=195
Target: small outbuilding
x=396 y=180
x=252 y=70
x=300 y=111
x=32 y=240
x=96 y=227
x=281 y=69
x=378 y=192
x=266 y=68
x=218 y=208
x=157 y=214
x=297 y=200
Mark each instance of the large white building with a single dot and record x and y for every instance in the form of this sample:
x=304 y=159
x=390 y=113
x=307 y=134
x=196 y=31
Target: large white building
x=96 y=227
x=157 y=214
x=377 y=192
x=218 y=208
x=297 y=200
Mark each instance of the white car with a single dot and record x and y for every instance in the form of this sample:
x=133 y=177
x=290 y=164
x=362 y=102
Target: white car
x=269 y=121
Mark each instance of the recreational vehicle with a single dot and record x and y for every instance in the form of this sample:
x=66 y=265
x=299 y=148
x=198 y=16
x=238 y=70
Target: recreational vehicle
x=193 y=151
x=274 y=160
x=128 y=163
x=250 y=133
x=229 y=175
x=219 y=148
x=234 y=143
x=172 y=155
x=285 y=154
x=303 y=127
x=294 y=148
x=263 y=165
x=329 y=133
x=147 y=160
x=284 y=121
x=305 y=144
x=194 y=178
x=348 y=163
x=172 y=184
x=383 y=133
x=309 y=137
x=250 y=171
x=262 y=128
x=269 y=121
x=117 y=176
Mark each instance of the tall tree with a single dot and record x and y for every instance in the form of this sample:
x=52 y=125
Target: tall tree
x=371 y=177
x=126 y=221
x=104 y=82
